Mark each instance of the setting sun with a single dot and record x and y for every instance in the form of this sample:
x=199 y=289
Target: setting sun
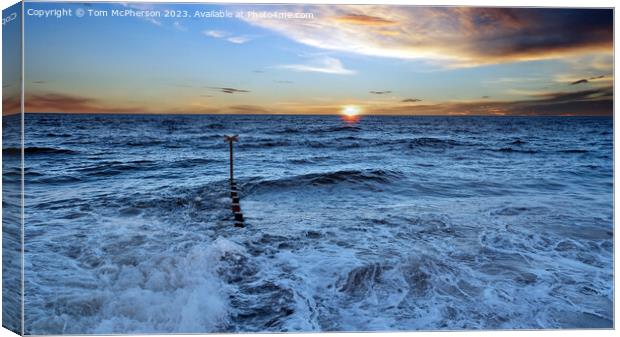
x=350 y=110
x=350 y=113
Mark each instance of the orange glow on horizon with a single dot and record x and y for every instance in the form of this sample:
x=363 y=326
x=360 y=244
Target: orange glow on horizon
x=350 y=114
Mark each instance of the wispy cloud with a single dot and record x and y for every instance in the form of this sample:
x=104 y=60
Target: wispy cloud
x=218 y=34
x=411 y=100
x=227 y=90
x=326 y=64
x=238 y=39
x=230 y=37
x=601 y=79
x=380 y=92
x=583 y=80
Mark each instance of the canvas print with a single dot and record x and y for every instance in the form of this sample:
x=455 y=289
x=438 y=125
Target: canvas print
x=218 y=167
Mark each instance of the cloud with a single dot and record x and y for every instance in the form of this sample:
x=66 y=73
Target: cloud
x=220 y=34
x=411 y=100
x=456 y=36
x=238 y=39
x=361 y=19
x=67 y=103
x=229 y=90
x=284 y=81
x=39 y=82
x=326 y=64
x=585 y=102
x=576 y=95
x=597 y=77
x=583 y=80
x=380 y=92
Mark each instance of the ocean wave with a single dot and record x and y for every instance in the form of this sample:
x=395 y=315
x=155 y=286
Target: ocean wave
x=53 y=179
x=36 y=150
x=513 y=150
x=192 y=162
x=574 y=151
x=362 y=278
x=309 y=160
x=110 y=168
x=431 y=142
x=166 y=292
x=334 y=128
x=216 y=126
x=144 y=142
x=362 y=177
x=264 y=144
x=288 y=131
x=59 y=135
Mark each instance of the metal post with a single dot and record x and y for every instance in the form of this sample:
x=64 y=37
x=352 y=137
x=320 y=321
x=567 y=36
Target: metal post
x=234 y=196
x=230 y=140
x=230 y=143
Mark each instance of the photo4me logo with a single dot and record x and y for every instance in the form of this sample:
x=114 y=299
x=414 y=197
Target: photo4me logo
x=9 y=18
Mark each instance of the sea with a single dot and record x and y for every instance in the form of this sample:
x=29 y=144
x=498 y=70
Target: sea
x=383 y=223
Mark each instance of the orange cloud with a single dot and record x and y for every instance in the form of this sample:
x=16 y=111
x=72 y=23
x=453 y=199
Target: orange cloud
x=66 y=103
x=367 y=20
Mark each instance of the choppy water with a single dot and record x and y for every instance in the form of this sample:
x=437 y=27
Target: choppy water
x=394 y=223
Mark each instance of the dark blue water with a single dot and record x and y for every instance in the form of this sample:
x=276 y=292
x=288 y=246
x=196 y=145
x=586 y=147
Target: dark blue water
x=392 y=223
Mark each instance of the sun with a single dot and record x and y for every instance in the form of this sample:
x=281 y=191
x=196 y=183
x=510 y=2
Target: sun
x=351 y=113
x=351 y=110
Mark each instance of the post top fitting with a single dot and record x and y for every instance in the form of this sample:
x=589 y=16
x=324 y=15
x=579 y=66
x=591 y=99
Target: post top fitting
x=232 y=138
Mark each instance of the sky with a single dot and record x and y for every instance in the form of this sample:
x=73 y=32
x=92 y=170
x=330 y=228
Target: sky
x=381 y=60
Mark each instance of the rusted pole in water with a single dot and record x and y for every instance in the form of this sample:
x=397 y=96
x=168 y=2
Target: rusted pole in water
x=231 y=140
x=234 y=196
